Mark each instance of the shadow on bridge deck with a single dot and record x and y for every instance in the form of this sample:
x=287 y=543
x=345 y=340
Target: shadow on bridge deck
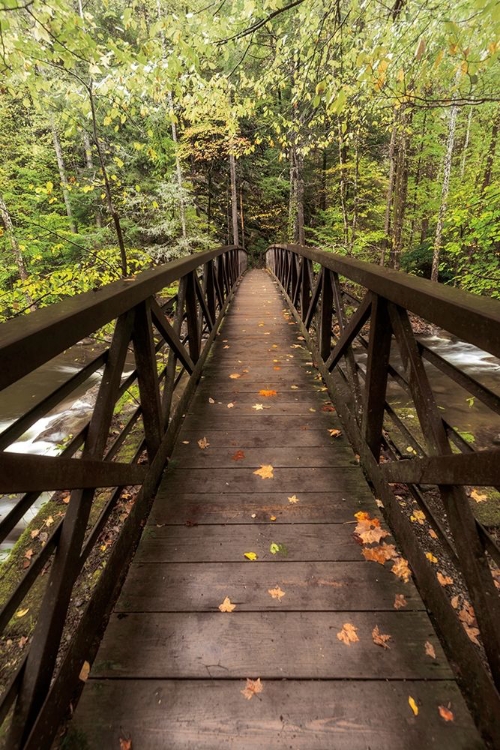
x=172 y=667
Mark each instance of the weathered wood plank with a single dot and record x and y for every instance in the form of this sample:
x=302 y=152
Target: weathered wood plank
x=207 y=508
x=191 y=457
x=239 y=438
x=209 y=715
x=289 y=645
x=266 y=423
x=217 y=543
x=190 y=587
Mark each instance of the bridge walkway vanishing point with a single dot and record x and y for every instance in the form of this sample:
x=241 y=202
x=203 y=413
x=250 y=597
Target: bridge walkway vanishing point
x=340 y=665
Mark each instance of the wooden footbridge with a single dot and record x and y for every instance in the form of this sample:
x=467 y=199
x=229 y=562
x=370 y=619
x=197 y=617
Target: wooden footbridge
x=308 y=573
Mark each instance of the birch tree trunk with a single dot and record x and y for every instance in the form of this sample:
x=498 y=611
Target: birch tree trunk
x=490 y=156
x=444 y=192
x=234 y=200
x=62 y=176
x=466 y=144
x=178 y=169
x=390 y=192
x=89 y=160
x=16 y=250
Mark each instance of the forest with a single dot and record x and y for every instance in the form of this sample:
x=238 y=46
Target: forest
x=132 y=133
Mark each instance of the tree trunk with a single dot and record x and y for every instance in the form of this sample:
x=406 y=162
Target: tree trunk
x=387 y=244
x=400 y=189
x=178 y=168
x=234 y=200
x=490 y=156
x=89 y=160
x=444 y=192
x=16 y=250
x=242 y=219
x=343 y=183
x=418 y=177
x=62 y=176
x=355 y=197
x=466 y=144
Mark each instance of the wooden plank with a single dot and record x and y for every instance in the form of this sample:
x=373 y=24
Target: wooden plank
x=255 y=439
x=199 y=645
x=301 y=542
x=268 y=407
x=209 y=715
x=189 y=587
x=226 y=395
x=265 y=423
x=191 y=457
x=245 y=481
x=314 y=507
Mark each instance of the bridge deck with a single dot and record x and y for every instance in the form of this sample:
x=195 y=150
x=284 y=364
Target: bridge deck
x=171 y=668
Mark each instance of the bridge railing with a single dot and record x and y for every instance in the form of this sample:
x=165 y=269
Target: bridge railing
x=56 y=597
x=357 y=319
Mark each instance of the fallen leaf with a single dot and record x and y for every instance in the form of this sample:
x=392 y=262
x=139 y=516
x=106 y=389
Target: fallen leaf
x=268 y=394
x=272 y=518
x=335 y=433
x=476 y=495
x=84 y=672
x=379 y=554
x=472 y=633
x=418 y=517
x=49 y=521
x=185 y=442
x=230 y=405
x=235 y=376
x=400 y=601
x=22 y=612
x=327 y=407
x=444 y=580
x=348 y=634
x=445 y=713
x=29 y=554
x=276 y=593
x=265 y=471
x=432 y=534
x=369 y=530
x=413 y=705
x=250 y=555
x=293 y=499
x=380 y=639
x=211 y=401
x=203 y=443
x=125 y=743
x=238 y=456
x=226 y=347
x=258 y=407
x=275 y=548
x=35 y=533
x=429 y=650
x=294 y=387
x=432 y=558
x=276 y=368
x=252 y=688
x=401 y=569
x=226 y=605
x=455 y=602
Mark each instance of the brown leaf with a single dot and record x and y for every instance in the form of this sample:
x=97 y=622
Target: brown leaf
x=335 y=433
x=348 y=634
x=400 y=601
x=327 y=407
x=380 y=639
x=125 y=743
x=444 y=580
x=472 y=633
x=445 y=713
x=265 y=471
x=380 y=554
x=429 y=650
x=203 y=443
x=84 y=672
x=369 y=530
x=238 y=456
x=29 y=554
x=267 y=393
x=35 y=533
x=227 y=605
x=433 y=534
x=401 y=569
x=252 y=688
x=455 y=602
x=276 y=593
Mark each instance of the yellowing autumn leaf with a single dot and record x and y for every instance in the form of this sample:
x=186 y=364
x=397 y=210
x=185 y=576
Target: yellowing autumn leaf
x=258 y=407
x=432 y=534
x=401 y=569
x=252 y=688
x=272 y=518
x=429 y=650
x=444 y=580
x=22 y=612
x=203 y=443
x=125 y=744
x=348 y=634
x=265 y=471
x=84 y=672
x=475 y=495
x=413 y=705
x=335 y=433
x=211 y=401
x=268 y=394
x=418 y=517
x=399 y=601
x=250 y=555
x=276 y=593
x=380 y=639
x=235 y=376
x=379 y=554
x=293 y=499
x=369 y=530
x=227 y=605
x=446 y=714
x=294 y=387
x=432 y=558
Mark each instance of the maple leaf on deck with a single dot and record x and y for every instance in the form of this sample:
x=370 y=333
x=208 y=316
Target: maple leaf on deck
x=238 y=456
x=380 y=554
x=227 y=605
x=445 y=713
x=401 y=569
x=400 y=601
x=293 y=499
x=413 y=705
x=369 y=529
x=276 y=593
x=125 y=743
x=444 y=580
x=429 y=650
x=265 y=471
x=348 y=634
x=476 y=495
x=258 y=407
x=235 y=375
x=250 y=555
x=267 y=393
x=432 y=558
x=203 y=443
x=252 y=688
x=380 y=639
x=335 y=433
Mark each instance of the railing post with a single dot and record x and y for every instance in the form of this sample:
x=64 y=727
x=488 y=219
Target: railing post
x=379 y=349
x=147 y=377
x=192 y=318
x=305 y=290
x=209 y=284
x=326 y=314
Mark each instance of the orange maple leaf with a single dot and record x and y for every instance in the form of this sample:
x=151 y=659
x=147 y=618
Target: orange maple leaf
x=348 y=634
x=238 y=456
x=379 y=554
x=400 y=601
x=446 y=714
x=267 y=393
x=276 y=593
x=429 y=650
x=125 y=743
x=252 y=688
x=401 y=569
x=235 y=375
x=444 y=580
x=265 y=471
x=380 y=639
x=203 y=443
x=227 y=605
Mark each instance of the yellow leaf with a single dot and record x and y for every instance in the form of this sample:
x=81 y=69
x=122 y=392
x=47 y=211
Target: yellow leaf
x=265 y=471
x=432 y=558
x=203 y=443
x=84 y=672
x=418 y=517
x=401 y=569
x=22 y=612
x=475 y=495
x=348 y=634
x=258 y=407
x=293 y=499
x=227 y=605
x=429 y=650
x=267 y=394
x=272 y=518
x=250 y=555
x=276 y=593
x=444 y=580
x=235 y=376
x=413 y=705
x=335 y=433
x=252 y=688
